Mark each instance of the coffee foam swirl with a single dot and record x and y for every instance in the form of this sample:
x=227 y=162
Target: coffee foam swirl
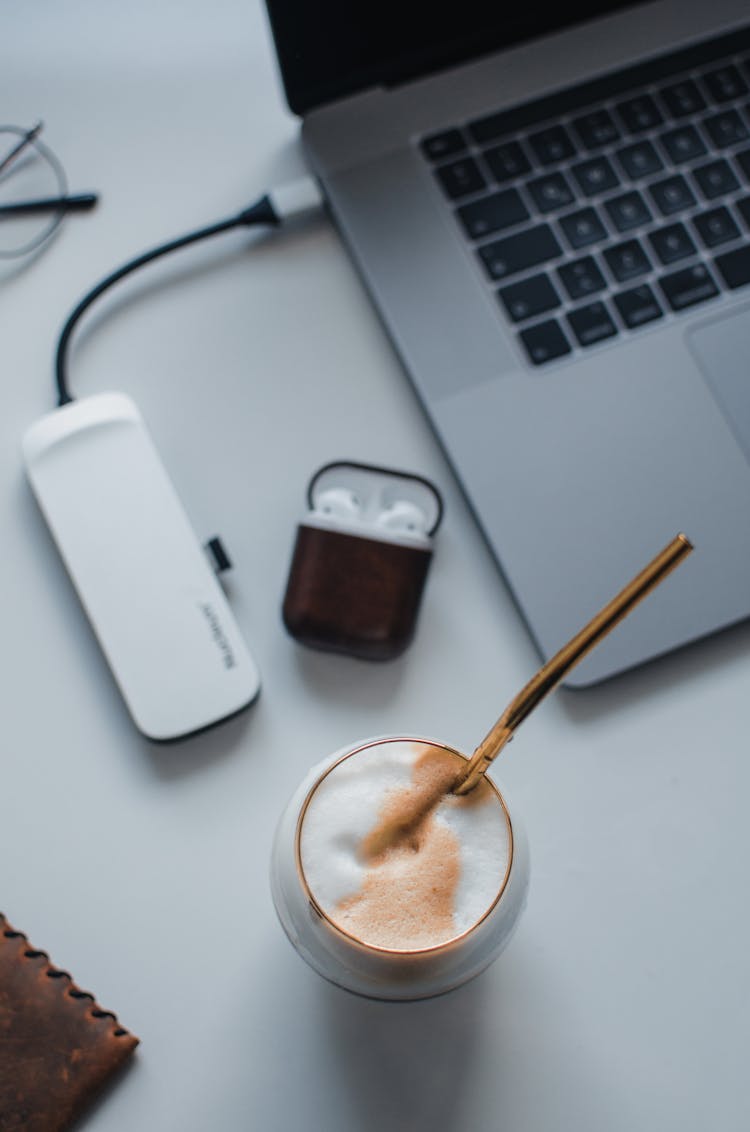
x=392 y=857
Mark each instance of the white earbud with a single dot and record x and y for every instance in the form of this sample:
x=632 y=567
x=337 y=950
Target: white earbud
x=339 y=503
x=403 y=516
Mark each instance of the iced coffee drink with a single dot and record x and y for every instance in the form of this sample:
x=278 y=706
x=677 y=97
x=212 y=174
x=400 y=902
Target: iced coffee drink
x=386 y=882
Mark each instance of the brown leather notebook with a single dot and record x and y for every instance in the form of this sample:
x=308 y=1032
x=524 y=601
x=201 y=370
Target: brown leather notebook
x=57 y=1046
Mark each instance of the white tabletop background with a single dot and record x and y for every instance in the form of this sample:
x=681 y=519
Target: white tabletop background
x=623 y=1001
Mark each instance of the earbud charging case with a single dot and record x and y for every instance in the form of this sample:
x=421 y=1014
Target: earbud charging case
x=355 y=581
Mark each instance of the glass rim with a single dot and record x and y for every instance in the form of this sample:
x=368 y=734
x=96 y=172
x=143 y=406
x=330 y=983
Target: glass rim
x=50 y=224
x=397 y=952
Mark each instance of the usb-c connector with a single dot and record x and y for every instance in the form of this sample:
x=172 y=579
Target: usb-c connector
x=295 y=198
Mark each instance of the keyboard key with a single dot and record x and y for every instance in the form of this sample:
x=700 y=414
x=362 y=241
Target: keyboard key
x=627 y=211
x=683 y=99
x=493 y=213
x=442 y=145
x=545 y=342
x=716 y=227
x=507 y=161
x=459 y=178
x=689 y=286
x=627 y=260
x=743 y=207
x=639 y=160
x=592 y=324
x=581 y=277
x=716 y=178
x=673 y=194
x=551 y=192
x=637 y=306
x=583 y=228
x=734 y=267
x=639 y=114
x=725 y=84
x=552 y=145
x=726 y=129
x=683 y=144
x=672 y=243
x=505 y=257
x=743 y=160
x=595 y=176
x=529 y=298
x=595 y=129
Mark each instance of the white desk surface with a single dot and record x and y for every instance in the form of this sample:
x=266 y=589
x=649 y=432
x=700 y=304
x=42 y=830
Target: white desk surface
x=623 y=1001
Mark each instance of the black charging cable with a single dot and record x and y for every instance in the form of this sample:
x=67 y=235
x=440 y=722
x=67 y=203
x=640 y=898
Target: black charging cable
x=269 y=211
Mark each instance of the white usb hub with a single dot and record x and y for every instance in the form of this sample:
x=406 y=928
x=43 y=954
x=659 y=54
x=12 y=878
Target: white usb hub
x=157 y=608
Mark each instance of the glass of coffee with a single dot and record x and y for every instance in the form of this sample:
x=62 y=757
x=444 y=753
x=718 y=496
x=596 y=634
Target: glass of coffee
x=386 y=882
x=398 y=871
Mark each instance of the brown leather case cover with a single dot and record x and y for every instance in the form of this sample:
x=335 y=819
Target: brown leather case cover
x=57 y=1046
x=351 y=594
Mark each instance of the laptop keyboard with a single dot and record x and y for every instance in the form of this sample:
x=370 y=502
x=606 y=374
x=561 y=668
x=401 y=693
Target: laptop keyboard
x=606 y=207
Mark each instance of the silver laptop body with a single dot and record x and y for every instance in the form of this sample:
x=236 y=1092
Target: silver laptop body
x=579 y=469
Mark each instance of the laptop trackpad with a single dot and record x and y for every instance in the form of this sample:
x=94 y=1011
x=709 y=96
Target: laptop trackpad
x=722 y=350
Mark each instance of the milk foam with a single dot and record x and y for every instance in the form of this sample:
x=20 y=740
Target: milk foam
x=346 y=807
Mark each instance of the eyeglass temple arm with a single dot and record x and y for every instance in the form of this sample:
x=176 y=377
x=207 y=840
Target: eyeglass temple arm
x=80 y=202
x=27 y=139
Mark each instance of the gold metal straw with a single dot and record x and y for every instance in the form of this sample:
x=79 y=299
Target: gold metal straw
x=550 y=674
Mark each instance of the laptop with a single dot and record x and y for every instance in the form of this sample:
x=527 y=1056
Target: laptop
x=550 y=208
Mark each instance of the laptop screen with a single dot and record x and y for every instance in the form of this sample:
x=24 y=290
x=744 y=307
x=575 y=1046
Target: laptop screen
x=333 y=48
